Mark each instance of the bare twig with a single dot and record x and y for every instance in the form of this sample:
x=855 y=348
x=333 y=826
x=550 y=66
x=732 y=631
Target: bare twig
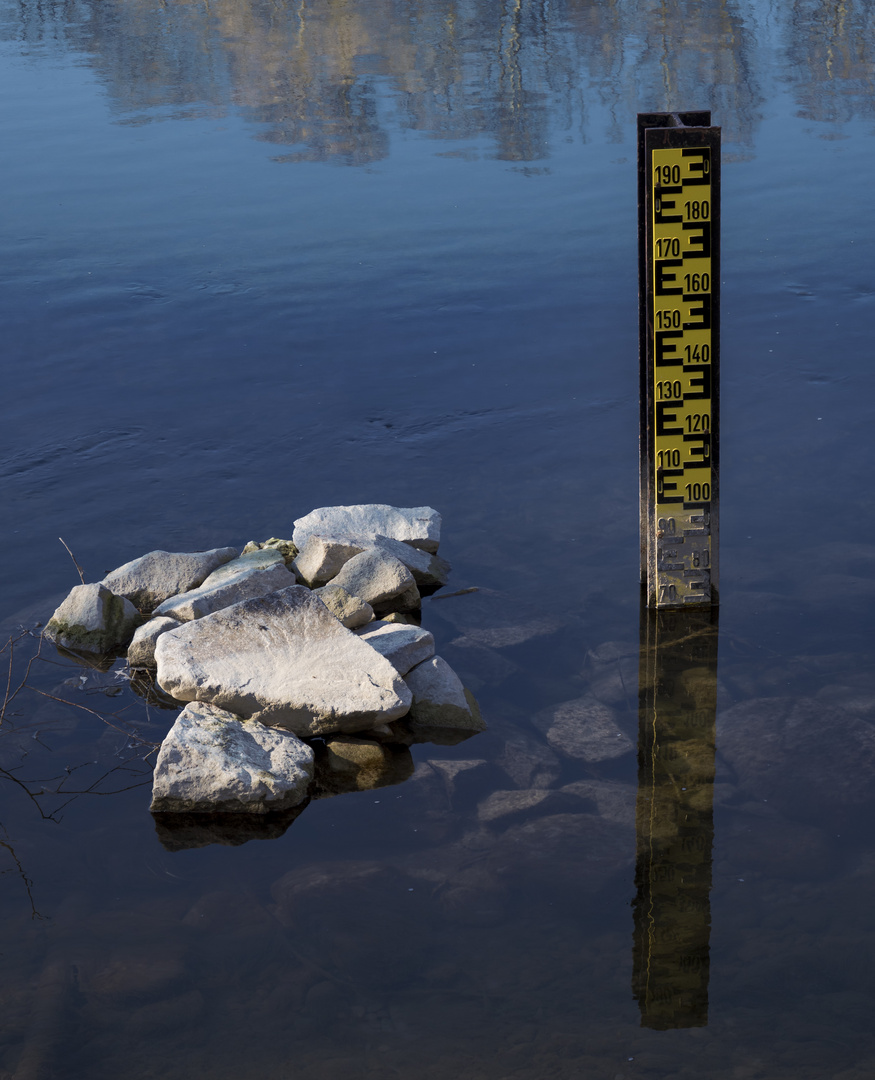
x=73 y=557
x=10 y=697
x=92 y=788
x=33 y=796
x=51 y=795
x=28 y=884
x=11 y=644
x=71 y=794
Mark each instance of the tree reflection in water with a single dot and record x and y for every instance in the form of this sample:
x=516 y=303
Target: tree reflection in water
x=329 y=80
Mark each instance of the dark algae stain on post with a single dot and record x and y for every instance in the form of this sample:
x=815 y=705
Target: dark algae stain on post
x=259 y=258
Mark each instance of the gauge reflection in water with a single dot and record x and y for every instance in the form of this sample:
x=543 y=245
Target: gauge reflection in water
x=674 y=816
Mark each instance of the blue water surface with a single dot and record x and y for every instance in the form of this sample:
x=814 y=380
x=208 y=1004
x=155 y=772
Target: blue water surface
x=262 y=257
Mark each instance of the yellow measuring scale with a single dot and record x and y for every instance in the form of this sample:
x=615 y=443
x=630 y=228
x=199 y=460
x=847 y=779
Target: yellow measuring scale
x=679 y=385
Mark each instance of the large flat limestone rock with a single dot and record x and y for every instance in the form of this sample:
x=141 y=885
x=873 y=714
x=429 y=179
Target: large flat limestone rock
x=212 y=760
x=419 y=526
x=285 y=660
x=219 y=592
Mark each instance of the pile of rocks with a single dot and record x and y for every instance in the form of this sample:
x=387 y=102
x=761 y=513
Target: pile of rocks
x=284 y=642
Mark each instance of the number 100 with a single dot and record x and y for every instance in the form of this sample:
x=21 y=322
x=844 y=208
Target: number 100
x=698 y=492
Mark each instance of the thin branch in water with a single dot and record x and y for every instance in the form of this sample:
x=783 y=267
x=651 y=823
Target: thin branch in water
x=30 y=794
x=8 y=679
x=59 y=790
x=100 y=716
x=458 y=592
x=11 y=697
x=73 y=557
x=28 y=884
x=10 y=645
x=92 y=788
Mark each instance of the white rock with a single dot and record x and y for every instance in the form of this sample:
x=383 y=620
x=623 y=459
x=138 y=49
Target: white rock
x=419 y=526
x=141 y=651
x=212 y=760
x=93 y=619
x=322 y=558
x=244 y=585
x=403 y=646
x=439 y=699
x=351 y=610
x=429 y=570
x=378 y=579
x=283 y=659
x=584 y=728
x=154 y=577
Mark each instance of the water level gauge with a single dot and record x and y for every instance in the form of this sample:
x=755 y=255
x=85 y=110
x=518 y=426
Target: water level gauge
x=679 y=268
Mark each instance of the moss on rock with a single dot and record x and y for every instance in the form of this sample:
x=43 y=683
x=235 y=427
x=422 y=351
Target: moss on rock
x=92 y=619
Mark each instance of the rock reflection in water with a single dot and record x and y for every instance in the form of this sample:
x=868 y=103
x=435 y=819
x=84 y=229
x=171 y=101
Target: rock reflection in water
x=179 y=832
x=345 y=764
x=675 y=822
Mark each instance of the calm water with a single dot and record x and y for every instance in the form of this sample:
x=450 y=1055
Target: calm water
x=263 y=257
